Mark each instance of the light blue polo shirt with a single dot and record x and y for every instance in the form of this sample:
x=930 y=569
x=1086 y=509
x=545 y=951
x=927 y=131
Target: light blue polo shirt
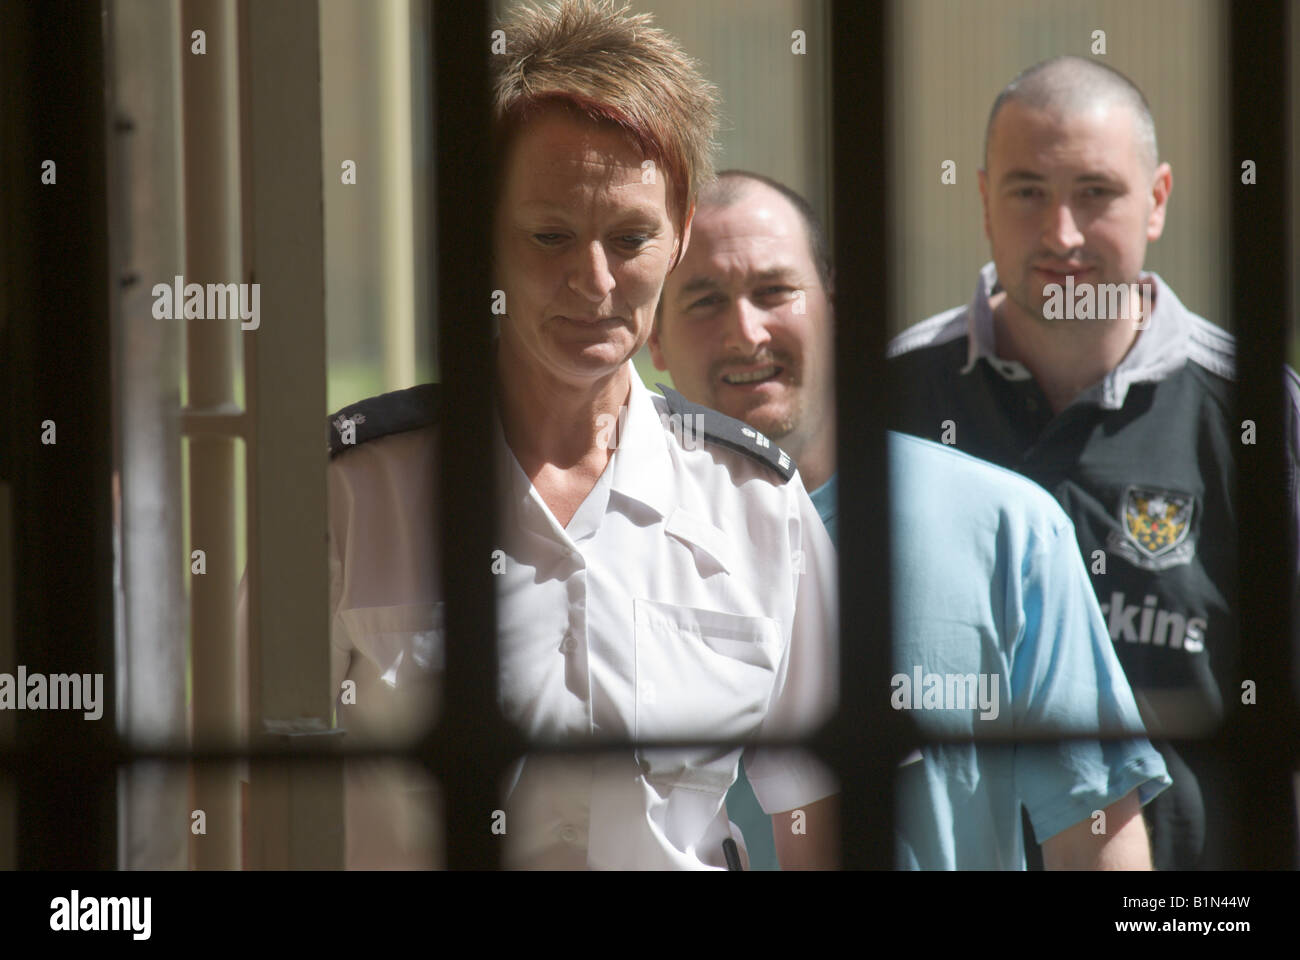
x=997 y=629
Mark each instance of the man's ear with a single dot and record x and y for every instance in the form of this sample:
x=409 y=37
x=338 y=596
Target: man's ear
x=679 y=251
x=983 y=176
x=1162 y=185
x=656 y=349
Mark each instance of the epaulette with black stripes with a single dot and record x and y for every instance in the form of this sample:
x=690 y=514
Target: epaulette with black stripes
x=696 y=420
x=380 y=416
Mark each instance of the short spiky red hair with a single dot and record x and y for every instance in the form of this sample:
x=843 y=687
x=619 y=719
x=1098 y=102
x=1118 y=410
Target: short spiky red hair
x=613 y=67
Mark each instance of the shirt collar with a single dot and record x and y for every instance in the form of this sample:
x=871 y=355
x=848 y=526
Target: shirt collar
x=642 y=468
x=511 y=480
x=642 y=465
x=1161 y=348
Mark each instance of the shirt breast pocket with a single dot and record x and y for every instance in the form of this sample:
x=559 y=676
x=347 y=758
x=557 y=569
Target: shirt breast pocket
x=702 y=673
x=397 y=668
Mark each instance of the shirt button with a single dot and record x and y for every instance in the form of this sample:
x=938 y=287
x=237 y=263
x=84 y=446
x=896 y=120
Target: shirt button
x=568 y=834
x=569 y=643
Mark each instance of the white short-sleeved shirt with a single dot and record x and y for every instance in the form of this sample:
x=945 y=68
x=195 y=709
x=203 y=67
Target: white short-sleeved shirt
x=690 y=596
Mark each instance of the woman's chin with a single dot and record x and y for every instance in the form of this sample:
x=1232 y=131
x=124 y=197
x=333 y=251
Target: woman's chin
x=592 y=360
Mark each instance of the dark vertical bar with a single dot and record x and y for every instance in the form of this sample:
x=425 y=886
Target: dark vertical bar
x=469 y=743
x=863 y=741
x=56 y=345
x=1262 y=736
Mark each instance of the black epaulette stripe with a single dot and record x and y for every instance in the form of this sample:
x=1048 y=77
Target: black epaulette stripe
x=386 y=414
x=727 y=431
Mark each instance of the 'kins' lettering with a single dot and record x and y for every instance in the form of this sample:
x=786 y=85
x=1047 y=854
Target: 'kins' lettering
x=1147 y=623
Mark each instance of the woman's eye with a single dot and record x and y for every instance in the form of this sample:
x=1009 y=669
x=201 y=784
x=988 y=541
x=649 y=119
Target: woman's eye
x=635 y=240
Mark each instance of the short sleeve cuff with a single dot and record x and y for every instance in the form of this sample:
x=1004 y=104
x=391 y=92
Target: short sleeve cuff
x=1146 y=773
x=788 y=779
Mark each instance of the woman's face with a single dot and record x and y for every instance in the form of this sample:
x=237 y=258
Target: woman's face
x=583 y=243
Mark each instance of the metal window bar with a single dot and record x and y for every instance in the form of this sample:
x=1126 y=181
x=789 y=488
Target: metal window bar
x=56 y=332
x=1262 y=740
x=469 y=749
x=866 y=740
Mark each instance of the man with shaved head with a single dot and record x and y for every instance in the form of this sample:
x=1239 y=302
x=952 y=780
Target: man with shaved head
x=1078 y=369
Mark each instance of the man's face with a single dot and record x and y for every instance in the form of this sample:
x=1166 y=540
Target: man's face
x=1068 y=194
x=582 y=247
x=745 y=326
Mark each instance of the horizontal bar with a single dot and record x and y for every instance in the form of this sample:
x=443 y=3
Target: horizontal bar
x=306 y=747
x=222 y=420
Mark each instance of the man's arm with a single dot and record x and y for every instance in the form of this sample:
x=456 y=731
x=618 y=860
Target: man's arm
x=1070 y=673
x=1122 y=845
x=809 y=838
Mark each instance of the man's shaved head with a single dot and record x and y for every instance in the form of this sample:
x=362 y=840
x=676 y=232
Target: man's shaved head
x=1074 y=84
x=732 y=186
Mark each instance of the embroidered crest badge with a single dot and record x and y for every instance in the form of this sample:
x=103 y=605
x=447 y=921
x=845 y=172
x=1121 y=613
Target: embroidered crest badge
x=1155 y=528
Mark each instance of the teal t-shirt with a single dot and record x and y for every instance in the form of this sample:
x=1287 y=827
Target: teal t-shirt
x=826 y=499
x=989 y=587
x=997 y=628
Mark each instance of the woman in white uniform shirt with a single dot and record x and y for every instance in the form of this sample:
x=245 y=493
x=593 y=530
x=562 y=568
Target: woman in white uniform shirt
x=655 y=584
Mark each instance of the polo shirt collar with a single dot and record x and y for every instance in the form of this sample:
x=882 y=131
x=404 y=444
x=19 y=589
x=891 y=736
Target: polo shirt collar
x=1160 y=349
